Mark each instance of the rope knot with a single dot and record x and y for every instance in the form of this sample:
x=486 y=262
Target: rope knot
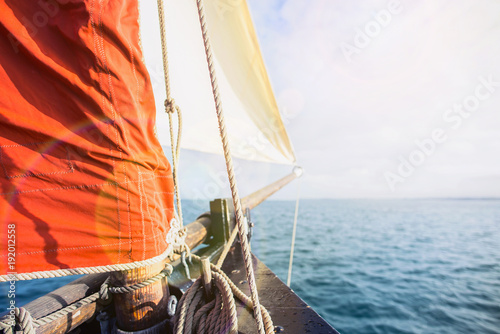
x=104 y=294
x=168 y=269
x=170 y=106
x=23 y=322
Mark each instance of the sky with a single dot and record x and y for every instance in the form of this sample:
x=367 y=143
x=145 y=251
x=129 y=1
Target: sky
x=383 y=99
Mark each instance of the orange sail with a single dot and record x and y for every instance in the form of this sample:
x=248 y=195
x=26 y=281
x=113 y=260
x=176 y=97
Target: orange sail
x=83 y=179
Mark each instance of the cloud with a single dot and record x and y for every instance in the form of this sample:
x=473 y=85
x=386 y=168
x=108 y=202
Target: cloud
x=359 y=117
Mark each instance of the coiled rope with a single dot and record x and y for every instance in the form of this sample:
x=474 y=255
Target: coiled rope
x=218 y=315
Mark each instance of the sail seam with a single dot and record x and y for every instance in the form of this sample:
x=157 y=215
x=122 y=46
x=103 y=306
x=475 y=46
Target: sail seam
x=115 y=112
x=132 y=61
x=141 y=191
x=82 y=186
x=98 y=51
x=78 y=248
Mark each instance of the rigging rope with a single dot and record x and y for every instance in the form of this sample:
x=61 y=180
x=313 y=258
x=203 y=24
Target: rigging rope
x=86 y=270
x=28 y=325
x=230 y=170
x=227 y=247
x=170 y=108
x=292 y=247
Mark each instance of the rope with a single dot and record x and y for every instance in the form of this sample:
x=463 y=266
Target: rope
x=227 y=247
x=65 y=311
x=86 y=270
x=22 y=318
x=292 y=247
x=216 y=316
x=170 y=108
x=28 y=324
x=195 y=314
x=131 y=288
x=230 y=170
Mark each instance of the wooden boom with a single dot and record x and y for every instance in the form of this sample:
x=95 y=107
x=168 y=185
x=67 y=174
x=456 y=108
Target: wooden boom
x=198 y=232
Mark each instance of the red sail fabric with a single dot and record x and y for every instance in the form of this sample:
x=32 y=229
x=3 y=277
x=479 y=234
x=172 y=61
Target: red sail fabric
x=83 y=178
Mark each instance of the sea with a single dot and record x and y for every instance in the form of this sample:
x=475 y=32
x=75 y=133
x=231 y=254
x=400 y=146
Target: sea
x=378 y=266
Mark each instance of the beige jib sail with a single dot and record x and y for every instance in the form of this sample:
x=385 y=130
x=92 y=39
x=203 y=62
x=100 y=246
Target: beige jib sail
x=256 y=129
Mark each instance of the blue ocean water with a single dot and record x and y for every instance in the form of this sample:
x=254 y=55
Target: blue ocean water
x=390 y=266
x=379 y=266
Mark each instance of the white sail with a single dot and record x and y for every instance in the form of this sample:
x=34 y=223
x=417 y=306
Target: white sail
x=256 y=130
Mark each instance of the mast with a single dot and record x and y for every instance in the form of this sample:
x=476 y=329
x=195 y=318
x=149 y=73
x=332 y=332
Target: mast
x=142 y=308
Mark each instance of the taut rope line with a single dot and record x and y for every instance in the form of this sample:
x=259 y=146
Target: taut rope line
x=170 y=108
x=230 y=170
x=292 y=247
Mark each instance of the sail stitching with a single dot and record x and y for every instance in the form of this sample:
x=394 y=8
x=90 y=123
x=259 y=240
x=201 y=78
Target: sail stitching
x=77 y=248
x=143 y=191
x=29 y=173
x=116 y=116
x=98 y=50
x=81 y=186
x=132 y=61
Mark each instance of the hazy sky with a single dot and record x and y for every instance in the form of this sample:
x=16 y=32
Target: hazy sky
x=384 y=99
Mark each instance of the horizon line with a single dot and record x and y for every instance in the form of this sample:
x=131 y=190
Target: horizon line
x=369 y=198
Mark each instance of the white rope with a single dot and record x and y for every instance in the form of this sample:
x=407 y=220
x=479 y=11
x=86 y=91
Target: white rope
x=86 y=270
x=28 y=324
x=23 y=319
x=292 y=247
x=230 y=171
x=227 y=247
x=170 y=108
x=131 y=288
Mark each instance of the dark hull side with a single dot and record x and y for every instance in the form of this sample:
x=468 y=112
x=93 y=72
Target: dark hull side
x=286 y=308
x=288 y=311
